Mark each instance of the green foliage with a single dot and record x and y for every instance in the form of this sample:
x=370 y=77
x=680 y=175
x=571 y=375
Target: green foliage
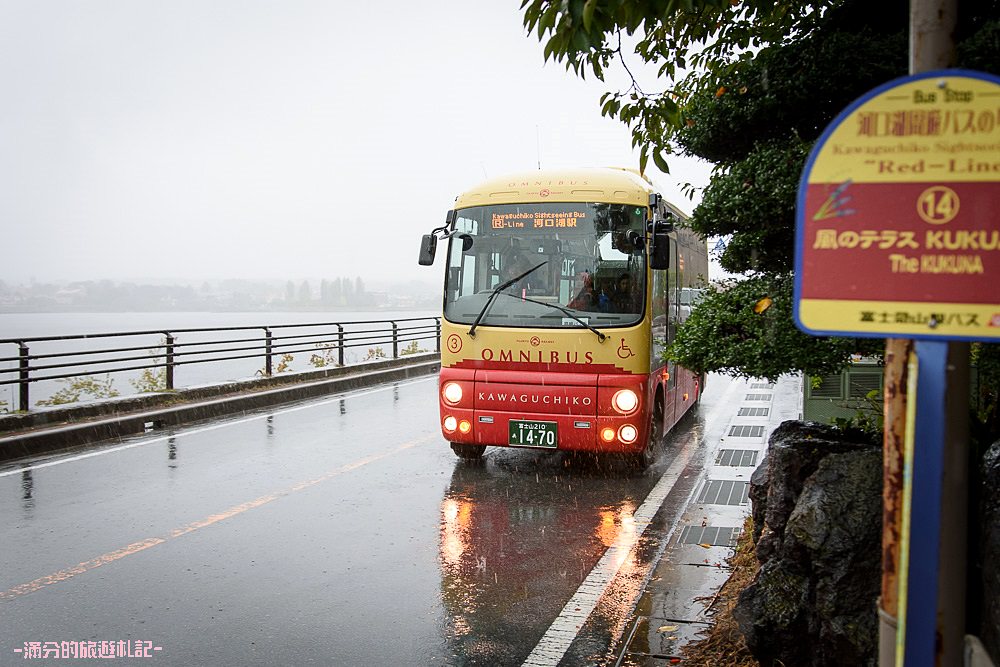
x=749 y=85
x=867 y=419
x=77 y=389
x=284 y=363
x=685 y=39
x=789 y=92
x=327 y=356
x=152 y=379
x=754 y=202
x=412 y=348
x=724 y=334
x=4 y=407
x=374 y=353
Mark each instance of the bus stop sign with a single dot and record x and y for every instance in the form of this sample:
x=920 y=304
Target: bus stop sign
x=898 y=213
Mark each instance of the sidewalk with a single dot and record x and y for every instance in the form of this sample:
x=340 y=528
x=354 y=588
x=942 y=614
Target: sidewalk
x=672 y=609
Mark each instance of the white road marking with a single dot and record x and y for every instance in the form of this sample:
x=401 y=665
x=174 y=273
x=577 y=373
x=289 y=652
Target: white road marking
x=213 y=427
x=564 y=629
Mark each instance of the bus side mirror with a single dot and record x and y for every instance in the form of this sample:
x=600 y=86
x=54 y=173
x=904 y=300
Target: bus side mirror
x=659 y=252
x=428 y=248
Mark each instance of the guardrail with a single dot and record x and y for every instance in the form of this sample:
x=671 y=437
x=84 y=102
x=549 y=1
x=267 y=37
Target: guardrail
x=171 y=351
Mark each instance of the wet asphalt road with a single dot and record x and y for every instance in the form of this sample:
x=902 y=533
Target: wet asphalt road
x=338 y=532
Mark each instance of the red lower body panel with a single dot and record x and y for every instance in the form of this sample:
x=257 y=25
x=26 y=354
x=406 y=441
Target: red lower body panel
x=580 y=406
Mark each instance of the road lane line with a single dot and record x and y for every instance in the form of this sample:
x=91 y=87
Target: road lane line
x=213 y=427
x=136 y=547
x=566 y=627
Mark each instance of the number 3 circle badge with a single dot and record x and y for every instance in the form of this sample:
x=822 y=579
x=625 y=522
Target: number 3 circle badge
x=454 y=343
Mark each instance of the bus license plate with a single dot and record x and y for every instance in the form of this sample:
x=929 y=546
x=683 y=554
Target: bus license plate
x=533 y=434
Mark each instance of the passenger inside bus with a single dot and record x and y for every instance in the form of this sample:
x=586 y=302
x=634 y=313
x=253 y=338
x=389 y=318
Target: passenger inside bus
x=623 y=300
x=584 y=299
x=515 y=265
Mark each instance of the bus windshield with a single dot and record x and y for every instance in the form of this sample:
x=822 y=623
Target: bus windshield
x=587 y=259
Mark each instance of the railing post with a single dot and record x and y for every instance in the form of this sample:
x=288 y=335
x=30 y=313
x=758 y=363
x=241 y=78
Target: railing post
x=267 y=352
x=24 y=375
x=169 y=345
x=437 y=336
x=395 y=341
x=340 y=345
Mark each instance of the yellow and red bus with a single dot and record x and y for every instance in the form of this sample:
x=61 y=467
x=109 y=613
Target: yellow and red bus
x=561 y=289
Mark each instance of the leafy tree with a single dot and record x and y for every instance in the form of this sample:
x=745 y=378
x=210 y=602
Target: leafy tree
x=753 y=101
x=725 y=331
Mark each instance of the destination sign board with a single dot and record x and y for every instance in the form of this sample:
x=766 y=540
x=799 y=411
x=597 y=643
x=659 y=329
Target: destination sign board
x=898 y=213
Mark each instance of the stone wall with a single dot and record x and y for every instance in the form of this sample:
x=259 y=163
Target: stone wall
x=817 y=507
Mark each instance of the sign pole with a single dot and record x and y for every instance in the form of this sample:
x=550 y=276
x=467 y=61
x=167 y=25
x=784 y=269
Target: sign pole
x=935 y=626
x=917 y=636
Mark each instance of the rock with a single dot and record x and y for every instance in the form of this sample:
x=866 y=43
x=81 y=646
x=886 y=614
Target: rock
x=813 y=600
x=760 y=480
x=838 y=522
x=794 y=452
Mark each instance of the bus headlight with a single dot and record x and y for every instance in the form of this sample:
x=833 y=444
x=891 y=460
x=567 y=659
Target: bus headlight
x=452 y=393
x=628 y=434
x=464 y=427
x=607 y=434
x=450 y=424
x=625 y=401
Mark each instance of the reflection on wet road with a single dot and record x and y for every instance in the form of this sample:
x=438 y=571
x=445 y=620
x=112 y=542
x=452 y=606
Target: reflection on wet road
x=341 y=531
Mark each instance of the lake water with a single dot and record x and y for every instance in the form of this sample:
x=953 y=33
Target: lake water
x=30 y=325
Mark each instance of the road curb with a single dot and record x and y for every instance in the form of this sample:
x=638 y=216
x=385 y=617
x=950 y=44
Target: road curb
x=87 y=424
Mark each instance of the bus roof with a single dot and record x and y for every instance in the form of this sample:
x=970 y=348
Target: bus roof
x=560 y=185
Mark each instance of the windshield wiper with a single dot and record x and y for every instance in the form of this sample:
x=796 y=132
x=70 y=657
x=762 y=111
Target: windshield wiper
x=600 y=336
x=499 y=288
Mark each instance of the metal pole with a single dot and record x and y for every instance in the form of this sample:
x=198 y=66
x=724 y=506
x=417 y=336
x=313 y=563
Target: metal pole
x=268 y=369
x=935 y=581
x=170 y=360
x=340 y=345
x=24 y=376
x=897 y=352
x=395 y=341
x=920 y=620
x=437 y=341
x=952 y=597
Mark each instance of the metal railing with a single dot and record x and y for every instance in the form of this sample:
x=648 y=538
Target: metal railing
x=170 y=352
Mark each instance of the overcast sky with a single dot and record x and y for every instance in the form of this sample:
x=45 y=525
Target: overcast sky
x=159 y=140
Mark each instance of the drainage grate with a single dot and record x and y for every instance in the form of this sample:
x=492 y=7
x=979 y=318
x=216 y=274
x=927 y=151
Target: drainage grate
x=718 y=492
x=717 y=536
x=746 y=431
x=740 y=458
x=759 y=397
x=753 y=412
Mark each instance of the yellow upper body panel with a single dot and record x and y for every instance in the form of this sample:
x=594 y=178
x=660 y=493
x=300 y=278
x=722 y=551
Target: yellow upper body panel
x=560 y=185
